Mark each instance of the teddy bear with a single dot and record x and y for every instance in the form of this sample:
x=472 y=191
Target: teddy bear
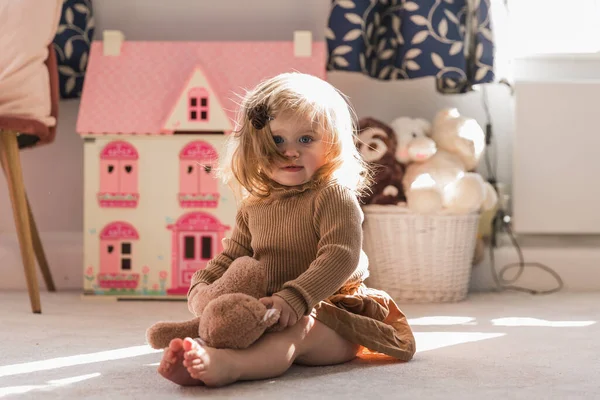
x=445 y=180
x=228 y=312
x=377 y=144
x=414 y=143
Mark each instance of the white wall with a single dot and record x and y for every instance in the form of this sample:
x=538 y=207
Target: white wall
x=53 y=174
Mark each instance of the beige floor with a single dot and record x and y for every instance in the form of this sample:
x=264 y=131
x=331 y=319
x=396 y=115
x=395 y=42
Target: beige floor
x=492 y=346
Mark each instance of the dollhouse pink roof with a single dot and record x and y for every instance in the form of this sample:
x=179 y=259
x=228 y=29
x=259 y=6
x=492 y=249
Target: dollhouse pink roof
x=133 y=92
x=198 y=221
x=119 y=150
x=119 y=230
x=198 y=150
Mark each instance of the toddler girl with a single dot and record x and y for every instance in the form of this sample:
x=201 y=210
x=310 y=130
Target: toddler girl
x=295 y=163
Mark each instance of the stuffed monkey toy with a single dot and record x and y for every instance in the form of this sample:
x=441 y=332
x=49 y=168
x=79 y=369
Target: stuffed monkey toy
x=377 y=144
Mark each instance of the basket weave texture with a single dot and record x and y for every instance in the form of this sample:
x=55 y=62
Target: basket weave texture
x=419 y=258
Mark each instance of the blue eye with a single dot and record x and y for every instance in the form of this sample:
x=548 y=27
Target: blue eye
x=306 y=139
x=277 y=139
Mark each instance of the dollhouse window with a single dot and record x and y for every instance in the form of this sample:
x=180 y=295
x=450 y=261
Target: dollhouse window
x=189 y=247
x=198 y=104
x=206 y=247
x=126 y=256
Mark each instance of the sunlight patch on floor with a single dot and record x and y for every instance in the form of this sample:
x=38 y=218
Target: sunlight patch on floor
x=441 y=320
x=74 y=379
x=520 y=321
x=435 y=340
x=6 y=391
x=61 y=362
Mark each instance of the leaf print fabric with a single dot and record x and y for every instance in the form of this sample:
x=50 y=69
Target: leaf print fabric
x=72 y=45
x=406 y=39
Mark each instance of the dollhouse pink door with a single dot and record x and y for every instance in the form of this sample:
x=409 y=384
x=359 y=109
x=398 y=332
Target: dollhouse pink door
x=110 y=256
x=129 y=176
x=109 y=176
x=196 y=249
x=207 y=181
x=115 y=256
x=188 y=177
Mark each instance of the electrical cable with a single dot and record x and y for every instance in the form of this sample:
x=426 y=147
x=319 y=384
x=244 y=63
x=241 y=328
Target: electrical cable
x=507 y=284
x=503 y=221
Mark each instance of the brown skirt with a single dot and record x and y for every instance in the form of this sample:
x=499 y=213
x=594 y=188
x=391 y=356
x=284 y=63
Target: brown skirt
x=370 y=318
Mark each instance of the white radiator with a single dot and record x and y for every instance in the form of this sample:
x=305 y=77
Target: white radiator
x=556 y=170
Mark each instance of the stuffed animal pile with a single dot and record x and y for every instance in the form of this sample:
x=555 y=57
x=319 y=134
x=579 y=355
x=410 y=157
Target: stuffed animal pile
x=435 y=163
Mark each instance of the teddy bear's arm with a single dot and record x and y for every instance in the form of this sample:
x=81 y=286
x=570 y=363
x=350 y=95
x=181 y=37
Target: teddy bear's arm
x=236 y=246
x=338 y=221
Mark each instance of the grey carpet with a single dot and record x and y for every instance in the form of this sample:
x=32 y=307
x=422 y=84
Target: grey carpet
x=492 y=346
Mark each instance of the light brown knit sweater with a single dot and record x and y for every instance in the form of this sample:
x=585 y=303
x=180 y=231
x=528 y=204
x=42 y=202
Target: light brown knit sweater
x=309 y=240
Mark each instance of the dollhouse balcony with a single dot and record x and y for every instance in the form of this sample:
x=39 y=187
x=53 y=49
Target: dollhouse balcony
x=205 y=200
x=126 y=200
x=118 y=280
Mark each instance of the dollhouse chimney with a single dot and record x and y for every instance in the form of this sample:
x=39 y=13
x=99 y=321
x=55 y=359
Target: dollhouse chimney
x=112 y=41
x=302 y=43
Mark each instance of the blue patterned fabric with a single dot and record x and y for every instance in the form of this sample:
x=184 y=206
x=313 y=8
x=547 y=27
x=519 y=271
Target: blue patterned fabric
x=406 y=39
x=72 y=45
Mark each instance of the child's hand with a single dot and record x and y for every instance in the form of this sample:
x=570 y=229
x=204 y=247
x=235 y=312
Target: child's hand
x=287 y=315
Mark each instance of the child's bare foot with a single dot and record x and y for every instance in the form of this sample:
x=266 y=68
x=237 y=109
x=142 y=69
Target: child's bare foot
x=214 y=367
x=171 y=366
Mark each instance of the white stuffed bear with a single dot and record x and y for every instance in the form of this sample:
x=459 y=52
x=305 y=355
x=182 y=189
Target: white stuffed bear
x=444 y=181
x=413 y=141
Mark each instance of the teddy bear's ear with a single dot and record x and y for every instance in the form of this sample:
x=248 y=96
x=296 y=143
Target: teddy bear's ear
x=424 y=125
x=271 y=317
x=446 y=113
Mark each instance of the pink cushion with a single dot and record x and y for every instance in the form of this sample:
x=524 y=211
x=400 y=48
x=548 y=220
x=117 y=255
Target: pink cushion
x=26 y=33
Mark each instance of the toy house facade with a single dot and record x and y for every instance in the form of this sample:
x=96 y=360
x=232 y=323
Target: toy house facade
x=154 y=118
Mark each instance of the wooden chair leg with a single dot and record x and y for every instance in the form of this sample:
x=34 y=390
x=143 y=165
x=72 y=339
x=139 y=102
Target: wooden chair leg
x=9 y=154
x=38 y=248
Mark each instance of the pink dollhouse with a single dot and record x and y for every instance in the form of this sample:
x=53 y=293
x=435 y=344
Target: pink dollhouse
x=154 y=117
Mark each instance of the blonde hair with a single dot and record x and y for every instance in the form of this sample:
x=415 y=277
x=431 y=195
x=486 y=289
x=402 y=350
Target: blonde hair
x=251 y=148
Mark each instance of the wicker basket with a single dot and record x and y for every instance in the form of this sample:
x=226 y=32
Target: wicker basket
x=419 y=258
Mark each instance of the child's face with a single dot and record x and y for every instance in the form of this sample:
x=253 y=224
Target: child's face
x=297 y=140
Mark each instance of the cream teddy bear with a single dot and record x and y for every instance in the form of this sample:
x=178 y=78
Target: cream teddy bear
x=444 y=180
x=414 y=145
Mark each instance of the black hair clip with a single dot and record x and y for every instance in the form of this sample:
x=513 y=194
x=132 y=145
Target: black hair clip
x=259 y=116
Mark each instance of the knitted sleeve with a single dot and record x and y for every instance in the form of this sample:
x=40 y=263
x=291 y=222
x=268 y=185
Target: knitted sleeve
x=338 y=221
x=236 y=246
